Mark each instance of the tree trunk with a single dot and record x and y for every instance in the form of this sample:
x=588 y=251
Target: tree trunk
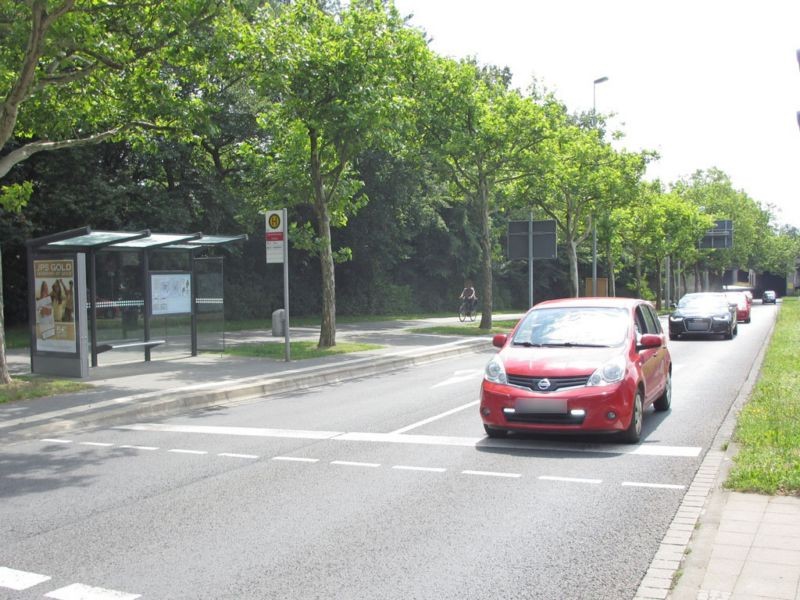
x=612 y=280
x=486 y=253
x=327 y=333
x=638 y=276
x=573 y=267
x=5 y=376
x=659 y=283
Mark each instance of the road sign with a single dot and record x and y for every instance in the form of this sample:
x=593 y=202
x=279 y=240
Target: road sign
x=275 y=236
x=543 y=236
x=721 y=236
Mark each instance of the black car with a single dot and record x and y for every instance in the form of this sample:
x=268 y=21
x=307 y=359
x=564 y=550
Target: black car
x=703 y=314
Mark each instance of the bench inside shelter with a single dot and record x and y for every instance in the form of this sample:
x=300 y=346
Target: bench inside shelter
x=149 y=344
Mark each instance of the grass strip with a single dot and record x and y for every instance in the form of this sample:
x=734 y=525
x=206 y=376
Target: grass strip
x=467 y=328
x=26 y=387
x=768 y=427
x=299 y=350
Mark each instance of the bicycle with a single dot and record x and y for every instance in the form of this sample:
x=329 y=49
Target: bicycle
x=465 y=311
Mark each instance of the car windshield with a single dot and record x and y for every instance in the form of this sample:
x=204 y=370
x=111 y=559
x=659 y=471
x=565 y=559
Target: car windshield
x=571 y=326
x=704 y=302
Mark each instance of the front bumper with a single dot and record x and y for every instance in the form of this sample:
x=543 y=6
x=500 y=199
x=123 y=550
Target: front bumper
x=698 y=326
x=584 y=409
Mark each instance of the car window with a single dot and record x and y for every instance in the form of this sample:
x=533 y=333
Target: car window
x=573 y=326
x=653 y=324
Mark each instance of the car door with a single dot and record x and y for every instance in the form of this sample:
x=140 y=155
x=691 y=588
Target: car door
x=651 y=359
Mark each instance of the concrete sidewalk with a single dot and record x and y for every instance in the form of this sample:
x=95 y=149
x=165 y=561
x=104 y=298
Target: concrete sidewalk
x=720 y=545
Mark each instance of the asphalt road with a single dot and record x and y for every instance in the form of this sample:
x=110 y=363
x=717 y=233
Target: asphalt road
x=384 y=487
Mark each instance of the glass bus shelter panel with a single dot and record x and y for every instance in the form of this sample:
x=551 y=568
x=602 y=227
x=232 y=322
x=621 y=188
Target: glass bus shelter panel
x=176 y=332
x=120 y=304
x=209 y=304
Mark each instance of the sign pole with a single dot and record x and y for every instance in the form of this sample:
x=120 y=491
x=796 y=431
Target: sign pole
x=530 y=261
x=288 y=351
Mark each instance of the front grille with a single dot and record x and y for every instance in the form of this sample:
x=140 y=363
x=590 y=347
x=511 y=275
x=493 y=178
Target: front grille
x=698 y=324
x=556 y=383
x=545 y=418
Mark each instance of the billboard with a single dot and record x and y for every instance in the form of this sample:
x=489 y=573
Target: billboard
x=54 y=285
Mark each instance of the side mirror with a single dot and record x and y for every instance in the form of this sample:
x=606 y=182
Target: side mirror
x=499 y=340
x=650 y=340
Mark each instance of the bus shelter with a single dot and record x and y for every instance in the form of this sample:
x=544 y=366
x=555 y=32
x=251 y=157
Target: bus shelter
x=123 y=295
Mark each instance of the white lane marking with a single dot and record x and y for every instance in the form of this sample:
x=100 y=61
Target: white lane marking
x=492 y=474
x=662 y=486
x=241 y=431
x=434 y=418
x=181 y=451
x=19 y=580
x=78 y=591
x=139 y=447
x=570 y=479
x=232 y=455
x=56 y=441
x=295 y=459
x=98 y=444
x=459 y=377
x=429 y=440
x=231 y=384
x=349 y=463
x=423 y=469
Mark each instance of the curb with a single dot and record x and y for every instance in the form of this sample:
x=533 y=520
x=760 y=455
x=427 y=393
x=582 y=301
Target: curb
x=152 y=404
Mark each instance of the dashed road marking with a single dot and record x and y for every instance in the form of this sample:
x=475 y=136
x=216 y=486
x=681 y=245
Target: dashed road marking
x=493 y=474
x=570 y=479
x=232 y=455
x=662 y=486
x=423 y=469
x=98 y=444
x=139 y=447
x=79 y=591
x=13 y=579
x=182 y=451
x=56 y=441
x=295 y=459
x=350 y=463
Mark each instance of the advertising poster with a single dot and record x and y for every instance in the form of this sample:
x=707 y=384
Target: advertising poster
x=54 y=282
x=171 y=293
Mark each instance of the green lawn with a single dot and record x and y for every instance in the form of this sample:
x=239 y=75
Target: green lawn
x=26 y=387
x=299 y=350
x=768 y=429
x=468 y=328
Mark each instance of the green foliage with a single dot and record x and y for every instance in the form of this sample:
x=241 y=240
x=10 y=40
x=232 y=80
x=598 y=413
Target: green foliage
x=28 y=387
x=299 y=350
x=15 y=196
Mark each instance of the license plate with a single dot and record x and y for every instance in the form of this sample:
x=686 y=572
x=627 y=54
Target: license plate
x=541 y=406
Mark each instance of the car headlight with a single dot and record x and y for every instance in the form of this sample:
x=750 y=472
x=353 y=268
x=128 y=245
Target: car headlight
x=495 y=371
x=611 y=372
x=722 y=318
x=675 y=318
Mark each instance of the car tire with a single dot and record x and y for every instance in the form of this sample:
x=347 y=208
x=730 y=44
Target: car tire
x=747 y=320
x=495 y=433
x=633 y=433
x=674 y=336
x=664 y=401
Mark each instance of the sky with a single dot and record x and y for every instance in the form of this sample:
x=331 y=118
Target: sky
x=705 y=83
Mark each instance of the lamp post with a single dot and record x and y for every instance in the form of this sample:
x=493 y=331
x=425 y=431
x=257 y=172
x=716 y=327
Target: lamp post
x=594 y=217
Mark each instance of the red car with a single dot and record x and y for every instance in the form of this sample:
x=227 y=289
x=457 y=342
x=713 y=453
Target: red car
x=578 y=365
x=742 y=305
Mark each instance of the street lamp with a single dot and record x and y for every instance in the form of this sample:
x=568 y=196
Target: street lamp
x=594 y=218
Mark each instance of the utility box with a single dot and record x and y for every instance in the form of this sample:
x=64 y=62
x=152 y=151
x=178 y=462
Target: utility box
x=279 y=323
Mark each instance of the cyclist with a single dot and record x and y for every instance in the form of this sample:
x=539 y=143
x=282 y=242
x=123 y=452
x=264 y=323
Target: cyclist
x=469 y=297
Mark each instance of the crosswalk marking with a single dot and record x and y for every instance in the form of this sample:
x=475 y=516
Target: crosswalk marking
x=78 y=591
x=428 y=440
x=19 y=580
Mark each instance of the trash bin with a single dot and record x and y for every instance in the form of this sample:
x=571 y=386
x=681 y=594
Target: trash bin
x=279 y=322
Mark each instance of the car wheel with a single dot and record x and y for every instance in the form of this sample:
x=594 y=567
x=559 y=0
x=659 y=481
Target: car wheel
x=747 y=320
x=633 y=433
x=495 y=433
x=674 y=336
x=729 y=334
x=664 y=401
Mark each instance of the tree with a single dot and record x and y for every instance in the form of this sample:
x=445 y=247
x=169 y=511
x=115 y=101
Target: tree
x=75 y=73
x=485 y=136
x=333 y=86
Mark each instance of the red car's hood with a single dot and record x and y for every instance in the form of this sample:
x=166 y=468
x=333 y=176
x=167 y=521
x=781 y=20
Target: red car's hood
x=555 y=362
